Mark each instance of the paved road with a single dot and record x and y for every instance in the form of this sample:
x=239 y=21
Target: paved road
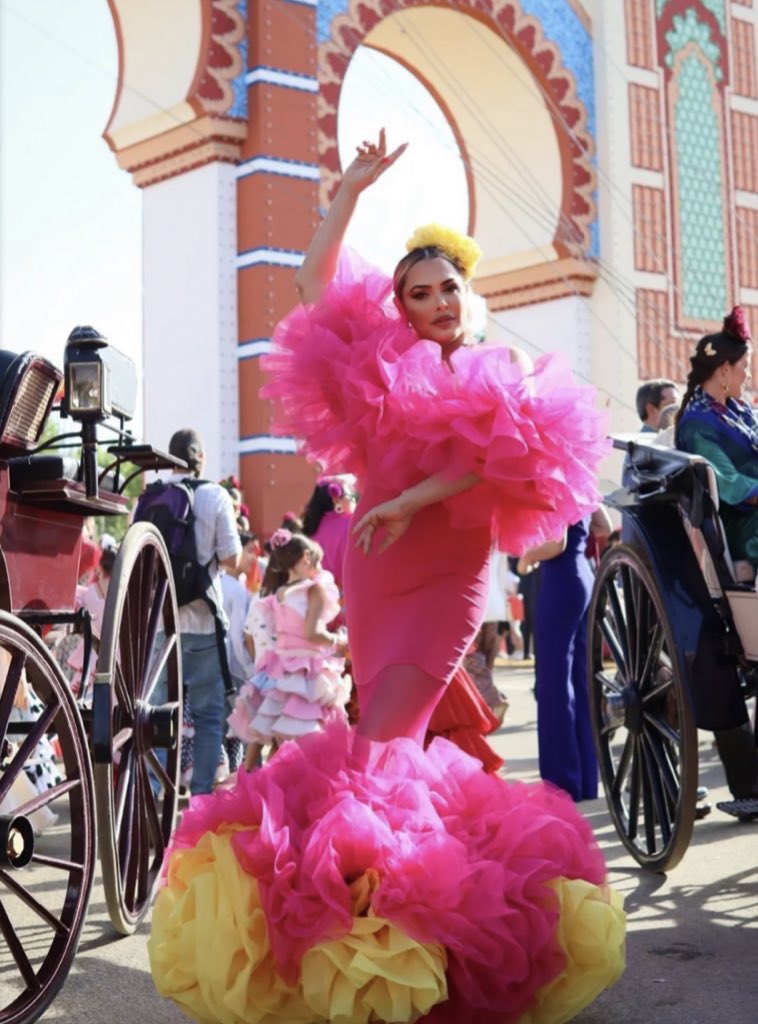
x=693 y=936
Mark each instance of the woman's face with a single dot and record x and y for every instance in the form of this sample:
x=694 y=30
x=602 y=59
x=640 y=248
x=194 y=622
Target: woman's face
x=736 y=376
x=434 y=302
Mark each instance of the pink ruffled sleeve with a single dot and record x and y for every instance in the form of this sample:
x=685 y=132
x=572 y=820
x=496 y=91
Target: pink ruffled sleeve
x=536 y=440
x=357 y=384
x=326 y=369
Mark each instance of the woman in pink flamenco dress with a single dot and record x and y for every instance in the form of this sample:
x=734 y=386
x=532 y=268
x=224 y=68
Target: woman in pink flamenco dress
x=327 y=518
x=358 y=877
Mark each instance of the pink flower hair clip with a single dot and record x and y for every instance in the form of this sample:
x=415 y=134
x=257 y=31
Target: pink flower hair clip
x=280 y=537
x=736 y=324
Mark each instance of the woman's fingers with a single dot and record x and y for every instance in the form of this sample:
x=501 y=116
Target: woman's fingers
x=370 y=151
x=364 y=540
x=388 y=161
x=362 y=523
x=389 y=539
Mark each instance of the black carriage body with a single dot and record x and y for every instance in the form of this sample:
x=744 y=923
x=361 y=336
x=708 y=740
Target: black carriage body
x=665 y=656
x=702 y=632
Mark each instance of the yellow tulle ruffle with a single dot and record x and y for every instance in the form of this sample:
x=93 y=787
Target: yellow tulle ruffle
x=209 y=948
x=591 y=930
x=210 y=953
x=376 y=973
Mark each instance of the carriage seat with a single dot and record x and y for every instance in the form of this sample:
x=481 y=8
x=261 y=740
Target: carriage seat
x=25 y=470
x=742 y=570
x=655 y=464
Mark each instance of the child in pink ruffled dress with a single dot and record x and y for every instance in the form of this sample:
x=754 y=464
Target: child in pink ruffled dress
x=299 y=685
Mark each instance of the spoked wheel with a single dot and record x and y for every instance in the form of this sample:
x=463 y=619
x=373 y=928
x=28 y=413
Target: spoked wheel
x=642 y=719
x=136 y=720
x=47 y=825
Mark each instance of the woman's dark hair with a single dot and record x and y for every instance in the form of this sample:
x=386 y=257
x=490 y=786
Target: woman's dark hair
x=108 y=559
x=728 y=345
x=285 y=554
x=428 y=252
x=186 y=444
x=325 y=494
x=292 y=522
x=319 y=503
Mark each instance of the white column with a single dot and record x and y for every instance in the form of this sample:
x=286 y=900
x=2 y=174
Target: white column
x=190 y=312
x=558 y=325
x=615 y=357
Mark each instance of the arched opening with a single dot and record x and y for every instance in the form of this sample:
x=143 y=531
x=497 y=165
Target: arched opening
x=518 y=123
x=380 y=92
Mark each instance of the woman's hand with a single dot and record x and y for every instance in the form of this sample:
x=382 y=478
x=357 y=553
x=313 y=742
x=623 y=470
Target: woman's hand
x=393 y=516
x=526 y=564
x=372 y=161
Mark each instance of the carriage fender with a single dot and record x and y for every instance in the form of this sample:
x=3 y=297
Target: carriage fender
x=699 y=632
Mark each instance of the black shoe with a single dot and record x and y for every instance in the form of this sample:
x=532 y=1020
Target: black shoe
x=702 y=811
x=745 y=809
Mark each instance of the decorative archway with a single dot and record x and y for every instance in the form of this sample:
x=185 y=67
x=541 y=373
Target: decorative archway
x=564 y=270
x=237 y=154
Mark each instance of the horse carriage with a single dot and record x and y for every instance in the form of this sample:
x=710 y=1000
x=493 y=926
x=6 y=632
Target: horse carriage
x=673 y=647
x=116 y=756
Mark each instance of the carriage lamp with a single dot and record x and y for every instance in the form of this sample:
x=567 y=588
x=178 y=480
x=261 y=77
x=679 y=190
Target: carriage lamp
x=100 y=381
x=28 y=384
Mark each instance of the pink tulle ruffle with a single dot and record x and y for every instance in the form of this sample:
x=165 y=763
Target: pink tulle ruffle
x=463 y=859
x=348 y=376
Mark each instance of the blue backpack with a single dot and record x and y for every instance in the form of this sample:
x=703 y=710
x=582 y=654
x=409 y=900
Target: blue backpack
x=169 y=507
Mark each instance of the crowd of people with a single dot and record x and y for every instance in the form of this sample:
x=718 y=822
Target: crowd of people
x=342 y=673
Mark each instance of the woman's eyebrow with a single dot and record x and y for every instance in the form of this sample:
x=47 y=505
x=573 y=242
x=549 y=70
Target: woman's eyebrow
x=448 y=280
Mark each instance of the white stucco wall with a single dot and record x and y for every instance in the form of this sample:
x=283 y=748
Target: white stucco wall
x=562 y=325
x=190 y=312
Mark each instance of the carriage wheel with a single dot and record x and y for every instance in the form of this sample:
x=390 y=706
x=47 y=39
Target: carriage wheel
x=642 y=719
x=136 y=719
x=47 y=833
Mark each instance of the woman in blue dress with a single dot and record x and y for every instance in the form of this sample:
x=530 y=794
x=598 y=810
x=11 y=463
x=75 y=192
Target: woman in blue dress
x=566 y=747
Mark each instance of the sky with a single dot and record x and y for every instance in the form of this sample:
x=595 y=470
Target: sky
x=70 y=218
x=378 y=92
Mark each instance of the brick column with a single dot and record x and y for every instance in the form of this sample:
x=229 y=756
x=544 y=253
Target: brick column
x=277 y=214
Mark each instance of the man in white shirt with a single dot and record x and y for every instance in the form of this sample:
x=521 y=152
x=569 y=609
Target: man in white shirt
x=217 y=543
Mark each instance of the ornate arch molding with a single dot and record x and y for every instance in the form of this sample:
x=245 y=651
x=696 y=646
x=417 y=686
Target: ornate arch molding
x=573 y=236
x=221 y=60
x=683 y=21
x=693 y=52
x=200 y=115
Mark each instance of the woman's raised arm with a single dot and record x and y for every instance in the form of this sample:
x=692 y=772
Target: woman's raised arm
x=320 y=263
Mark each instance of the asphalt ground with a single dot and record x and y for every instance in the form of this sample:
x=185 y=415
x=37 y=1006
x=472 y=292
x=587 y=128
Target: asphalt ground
x=692 y=950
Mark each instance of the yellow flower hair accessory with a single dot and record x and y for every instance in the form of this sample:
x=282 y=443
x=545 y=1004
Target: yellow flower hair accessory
x=462 y=249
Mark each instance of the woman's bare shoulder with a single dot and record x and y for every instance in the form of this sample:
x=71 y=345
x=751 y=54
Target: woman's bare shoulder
x=521 y=358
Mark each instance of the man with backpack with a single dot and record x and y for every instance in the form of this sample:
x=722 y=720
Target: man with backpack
x=186 y=500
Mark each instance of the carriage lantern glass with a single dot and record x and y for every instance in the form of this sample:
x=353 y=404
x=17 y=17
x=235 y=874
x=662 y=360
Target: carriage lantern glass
x=100 y=380
x=28 y=384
